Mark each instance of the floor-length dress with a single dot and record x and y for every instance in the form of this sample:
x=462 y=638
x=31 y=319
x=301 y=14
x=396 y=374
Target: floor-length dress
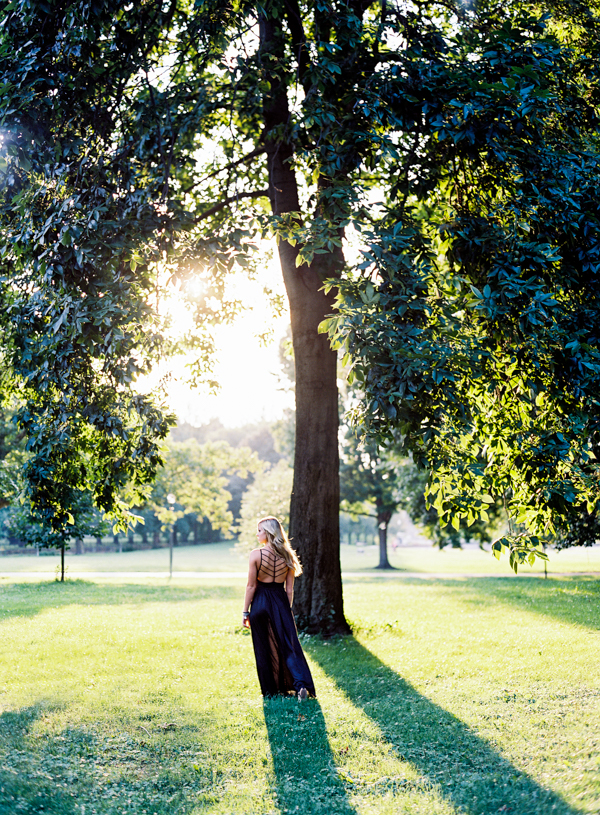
x=280 y=662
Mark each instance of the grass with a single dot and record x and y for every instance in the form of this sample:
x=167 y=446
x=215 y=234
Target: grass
x=221 y=557
x=472 y=696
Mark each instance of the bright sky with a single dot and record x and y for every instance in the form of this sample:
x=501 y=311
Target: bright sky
x=246 y=370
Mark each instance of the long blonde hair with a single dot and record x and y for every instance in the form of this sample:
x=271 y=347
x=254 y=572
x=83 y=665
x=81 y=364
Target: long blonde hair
x=277 y=538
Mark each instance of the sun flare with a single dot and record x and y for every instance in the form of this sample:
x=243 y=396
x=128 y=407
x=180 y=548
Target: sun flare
x=246 y=354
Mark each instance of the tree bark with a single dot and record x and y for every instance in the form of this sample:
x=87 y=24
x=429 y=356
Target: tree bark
x=383 y=520
x=314 y=507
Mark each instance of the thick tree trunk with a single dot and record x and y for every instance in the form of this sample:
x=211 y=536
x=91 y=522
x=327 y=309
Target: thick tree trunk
x=314 y=508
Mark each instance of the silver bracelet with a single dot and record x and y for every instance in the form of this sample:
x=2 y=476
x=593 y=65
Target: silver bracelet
x=245 y=613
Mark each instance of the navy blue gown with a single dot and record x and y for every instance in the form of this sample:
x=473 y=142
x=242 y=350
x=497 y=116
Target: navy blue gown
x=280 y=661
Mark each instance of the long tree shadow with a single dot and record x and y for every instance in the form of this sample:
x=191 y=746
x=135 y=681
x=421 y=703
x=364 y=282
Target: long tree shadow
x=29 y=599
x=468 y=772
x=305 y=776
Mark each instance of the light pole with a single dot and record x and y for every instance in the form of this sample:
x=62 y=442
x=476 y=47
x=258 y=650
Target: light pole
x=171 y=501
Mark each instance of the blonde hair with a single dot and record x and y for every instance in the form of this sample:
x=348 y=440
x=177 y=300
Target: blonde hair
x=277 y=538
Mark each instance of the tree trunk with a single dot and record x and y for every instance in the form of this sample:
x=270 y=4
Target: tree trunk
x=314 y=508
x=383 y=520
x=62 y=563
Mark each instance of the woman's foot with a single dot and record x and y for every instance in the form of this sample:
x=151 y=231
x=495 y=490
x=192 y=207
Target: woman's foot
x=302 y=695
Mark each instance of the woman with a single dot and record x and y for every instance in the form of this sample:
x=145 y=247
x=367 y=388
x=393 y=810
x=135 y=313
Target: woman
x=280 y=663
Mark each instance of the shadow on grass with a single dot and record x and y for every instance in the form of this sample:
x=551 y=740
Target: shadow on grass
x=573 y=600
x=306 y=779
x=79 y=770
x=29 y=599
x=21 y=790
x=466 y=770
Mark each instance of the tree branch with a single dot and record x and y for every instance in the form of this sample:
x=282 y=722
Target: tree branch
x=232 y=199
x=230 y=166
x=360 y=6
x=294 y=19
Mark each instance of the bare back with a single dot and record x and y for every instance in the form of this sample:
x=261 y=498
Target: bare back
x=271 y=568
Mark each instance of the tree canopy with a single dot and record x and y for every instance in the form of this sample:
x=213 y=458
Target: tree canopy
x=473 y=324
x=197 y=476
x=159 y=141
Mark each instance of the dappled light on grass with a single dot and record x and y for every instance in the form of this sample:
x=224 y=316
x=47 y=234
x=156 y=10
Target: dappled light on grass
x=454 y=698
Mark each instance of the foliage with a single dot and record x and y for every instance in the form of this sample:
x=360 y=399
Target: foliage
x=472 y=324
x=23 y=525
x=269 y=494
x=368 y=479
x=26 y=526
x=412 y=487
x=197 y=476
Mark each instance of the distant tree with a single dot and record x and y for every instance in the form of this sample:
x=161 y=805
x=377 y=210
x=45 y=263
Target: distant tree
x=20 y=523
x=284 y=433
x=197 y=476
x=258 y=436
x=580 y=528
x=369 y=485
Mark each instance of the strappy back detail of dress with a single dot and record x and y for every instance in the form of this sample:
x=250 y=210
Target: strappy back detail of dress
x=272 y=568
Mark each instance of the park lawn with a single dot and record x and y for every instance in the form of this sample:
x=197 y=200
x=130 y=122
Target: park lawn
x=472 y=696
x=222 y=557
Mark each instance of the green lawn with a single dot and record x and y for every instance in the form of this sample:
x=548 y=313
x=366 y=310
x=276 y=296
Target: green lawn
x=221 y=557
x=473 y=696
